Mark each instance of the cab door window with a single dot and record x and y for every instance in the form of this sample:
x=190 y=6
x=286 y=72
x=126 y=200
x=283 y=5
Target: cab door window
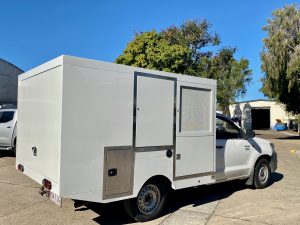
x=6 y=116
x=226 y=130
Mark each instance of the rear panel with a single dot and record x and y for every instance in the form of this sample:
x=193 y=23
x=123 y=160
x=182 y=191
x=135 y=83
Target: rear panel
x=39 y=125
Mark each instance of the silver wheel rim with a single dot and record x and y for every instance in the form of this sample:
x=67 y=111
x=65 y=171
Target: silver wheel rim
x=263 y=174
x=148 y=199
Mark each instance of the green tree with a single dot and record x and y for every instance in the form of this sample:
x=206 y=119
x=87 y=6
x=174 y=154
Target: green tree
x=183 y=49
x=281 y=58
x=150 y=50
x=232 y=76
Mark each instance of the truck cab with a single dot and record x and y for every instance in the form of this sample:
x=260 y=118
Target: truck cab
x=8 y=123
x=238 y=151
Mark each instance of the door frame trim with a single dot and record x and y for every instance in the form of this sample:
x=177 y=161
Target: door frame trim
x=151 y=148
x=209 y=173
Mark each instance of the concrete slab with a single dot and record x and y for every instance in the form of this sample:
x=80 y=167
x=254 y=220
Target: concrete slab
x=6 y=158
x=268 y=206
x=15 y=198
x=219 y=220
x=181 y=217
x=47 y=213
x=12 y=176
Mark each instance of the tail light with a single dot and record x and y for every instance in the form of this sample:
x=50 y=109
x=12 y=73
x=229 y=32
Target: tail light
x=47 y=184
x=20 y=167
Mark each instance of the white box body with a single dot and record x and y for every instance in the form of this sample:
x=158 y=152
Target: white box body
x=101 y=130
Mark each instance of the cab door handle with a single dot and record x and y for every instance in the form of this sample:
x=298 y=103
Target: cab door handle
x=8 y=127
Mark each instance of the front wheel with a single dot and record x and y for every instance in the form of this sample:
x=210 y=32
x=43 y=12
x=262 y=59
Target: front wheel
x=149 y=203
x=262 y=173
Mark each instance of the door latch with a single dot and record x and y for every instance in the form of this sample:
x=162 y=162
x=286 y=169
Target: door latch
x=178 y=156
x=112 y=172
x=34 y=151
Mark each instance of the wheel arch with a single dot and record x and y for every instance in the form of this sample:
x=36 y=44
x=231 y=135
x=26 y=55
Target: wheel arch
x=264 y=156
x=161 y=179
x=251 y=176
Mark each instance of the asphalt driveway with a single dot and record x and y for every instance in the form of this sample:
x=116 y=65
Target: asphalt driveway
x=227 y=203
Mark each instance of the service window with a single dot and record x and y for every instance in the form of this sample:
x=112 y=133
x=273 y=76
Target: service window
x=195 y=110
x=6 y=116
x=226 y=130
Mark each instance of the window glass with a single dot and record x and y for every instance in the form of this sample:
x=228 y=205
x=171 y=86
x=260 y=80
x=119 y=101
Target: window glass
x=226 y=130
x=195 y=110
x=6 y=116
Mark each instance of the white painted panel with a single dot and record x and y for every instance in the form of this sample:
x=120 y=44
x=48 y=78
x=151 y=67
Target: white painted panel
x=149 y=164
x=197 y=155
x=39 y=123
x=155 y=112
x=97 y=112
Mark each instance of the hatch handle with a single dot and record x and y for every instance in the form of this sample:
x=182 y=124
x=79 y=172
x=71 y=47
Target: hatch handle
x=34 y=151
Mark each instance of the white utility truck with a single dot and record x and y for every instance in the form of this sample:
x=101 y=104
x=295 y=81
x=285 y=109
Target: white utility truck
x=102 y=132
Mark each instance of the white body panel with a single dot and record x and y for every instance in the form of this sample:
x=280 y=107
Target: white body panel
x=75 y=110
x=39 y=117
x=234 y=160
x=151 y=113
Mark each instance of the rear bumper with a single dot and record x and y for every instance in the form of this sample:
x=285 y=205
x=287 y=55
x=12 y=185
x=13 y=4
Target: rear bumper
x=6 y=148
x=273 y=162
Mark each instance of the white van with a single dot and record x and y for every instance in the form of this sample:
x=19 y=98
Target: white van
x=102 y=132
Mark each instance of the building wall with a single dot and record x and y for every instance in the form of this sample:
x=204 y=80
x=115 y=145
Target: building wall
x=243 y=110
x=8 y=82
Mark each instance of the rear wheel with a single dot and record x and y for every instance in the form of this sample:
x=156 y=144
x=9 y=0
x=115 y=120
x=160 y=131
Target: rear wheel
x=149 y=203
x=262 y=174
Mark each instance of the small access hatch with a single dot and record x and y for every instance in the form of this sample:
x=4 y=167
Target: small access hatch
x=118 y=168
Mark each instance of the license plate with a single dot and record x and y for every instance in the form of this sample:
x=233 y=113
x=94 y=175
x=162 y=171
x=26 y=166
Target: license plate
x=55 y=198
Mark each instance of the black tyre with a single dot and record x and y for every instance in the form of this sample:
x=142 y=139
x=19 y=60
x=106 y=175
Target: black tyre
x=149 y=203
x=14 y=150
x=262 y=173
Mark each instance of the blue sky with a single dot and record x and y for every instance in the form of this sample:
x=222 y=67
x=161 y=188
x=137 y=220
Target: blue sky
x=33 y=32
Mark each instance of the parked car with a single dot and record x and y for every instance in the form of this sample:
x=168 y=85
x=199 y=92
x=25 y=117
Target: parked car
x=8 y=129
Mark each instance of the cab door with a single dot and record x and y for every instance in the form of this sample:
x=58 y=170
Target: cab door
x=233 y=152
x=6 y=127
